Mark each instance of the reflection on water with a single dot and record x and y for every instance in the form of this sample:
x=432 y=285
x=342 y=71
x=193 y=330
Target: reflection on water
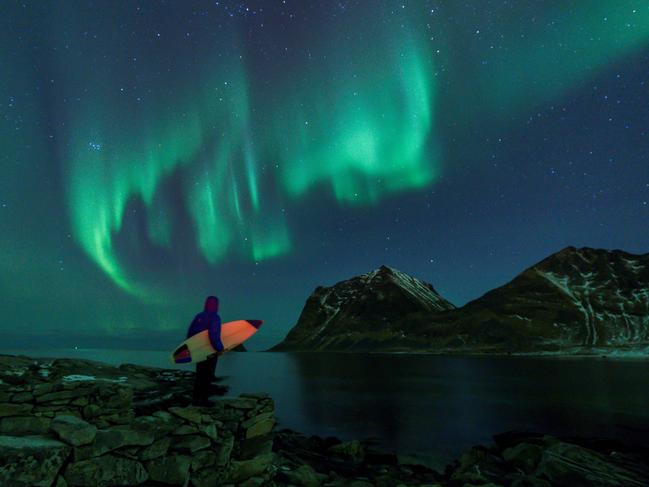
x=432 y=405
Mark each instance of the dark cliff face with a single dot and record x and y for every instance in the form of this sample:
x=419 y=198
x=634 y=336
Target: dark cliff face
x=365 y=312
x=576 y=297
x=573 y=298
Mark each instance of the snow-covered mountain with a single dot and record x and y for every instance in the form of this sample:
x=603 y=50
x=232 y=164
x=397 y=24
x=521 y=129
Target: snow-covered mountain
x=574 y=298
x=364 y=312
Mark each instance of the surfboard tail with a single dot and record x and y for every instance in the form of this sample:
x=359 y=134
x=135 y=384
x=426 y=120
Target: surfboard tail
x=256 y=323
x=182 y=355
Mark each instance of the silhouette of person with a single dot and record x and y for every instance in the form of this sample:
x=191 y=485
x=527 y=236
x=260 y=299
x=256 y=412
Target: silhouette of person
x=208 y=319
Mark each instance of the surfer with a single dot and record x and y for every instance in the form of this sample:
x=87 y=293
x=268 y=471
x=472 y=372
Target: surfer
x=210 y=320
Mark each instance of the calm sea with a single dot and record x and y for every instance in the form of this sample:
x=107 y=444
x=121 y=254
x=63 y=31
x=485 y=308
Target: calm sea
x=431 y=407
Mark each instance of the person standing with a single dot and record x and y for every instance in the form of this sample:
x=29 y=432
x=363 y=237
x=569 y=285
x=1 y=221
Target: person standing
x=210 y=320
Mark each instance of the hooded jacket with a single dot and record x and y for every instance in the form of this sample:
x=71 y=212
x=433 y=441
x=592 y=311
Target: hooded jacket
x=209 y=320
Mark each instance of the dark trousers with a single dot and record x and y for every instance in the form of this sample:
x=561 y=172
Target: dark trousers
x=204 y=377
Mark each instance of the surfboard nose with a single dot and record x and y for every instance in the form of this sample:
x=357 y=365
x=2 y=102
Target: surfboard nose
x=256 y=323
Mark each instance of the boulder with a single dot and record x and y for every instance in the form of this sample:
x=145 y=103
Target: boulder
x=30 y=460
x=172 y=469
x=224 y=450
x=104 y=471
x=203 y=459
x=73 y=430
x=134 y=436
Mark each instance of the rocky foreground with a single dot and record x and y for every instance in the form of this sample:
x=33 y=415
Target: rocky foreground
x=77 y=422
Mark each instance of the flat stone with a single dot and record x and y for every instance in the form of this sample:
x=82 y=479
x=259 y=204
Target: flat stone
x=155 y=450
x=191 y=443
x=105 y=441
x=257 y=445
x=30 y=460
x=60 y=395
x=9 y=409
x=185 y=429
x=261 y=427
x=73 y=430
x=530 y=481
x=189 y=413
x=203 y=459
x=255 y=395
x=172 y=469
x=22 y=397
x=243 y=470
x=253 y=482
x=210 y=431
x=40 y=389
x=134 y=437
x=104 y=471
x=24 y=425
x=224 y=450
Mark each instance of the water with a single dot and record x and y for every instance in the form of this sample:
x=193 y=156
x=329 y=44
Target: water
x=432 y=407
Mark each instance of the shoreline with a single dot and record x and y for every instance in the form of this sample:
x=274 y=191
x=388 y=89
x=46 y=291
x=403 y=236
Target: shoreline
x=90 y=423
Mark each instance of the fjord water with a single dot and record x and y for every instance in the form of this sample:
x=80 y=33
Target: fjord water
x=432 y=407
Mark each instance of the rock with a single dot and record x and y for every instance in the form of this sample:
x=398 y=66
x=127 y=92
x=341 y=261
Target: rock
x=253 y=482
x=210 y=431
x=241 y=403
x=189 y=413
x=185 y=429
x=525 y=456
x=63 y=395
x=571 y=465
x=91 y=411
x=22 y=397
x=191 y=443
x=105 y=441
x=131 y=436
x=304 y=475
x=257 y=396
x=30 y=460
x=73 y=430
x=24 y=425
x=40 y=389
x=172 y=469
x=352 y=450
x=203 y=459
x=106 y=470
x=530 y=481
x=224 y=450
x=480 y=466
x=9 y=409
x=208 y=477
x=60 y=482
x=158 y=426
x=243 y=470
x=155 y=450
x=258 y=445
x=259 y=425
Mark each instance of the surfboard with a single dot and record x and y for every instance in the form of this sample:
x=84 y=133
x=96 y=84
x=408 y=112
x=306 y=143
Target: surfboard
x=198 y=347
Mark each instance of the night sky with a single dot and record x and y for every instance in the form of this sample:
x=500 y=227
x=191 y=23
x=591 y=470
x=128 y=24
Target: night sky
x=156 y=152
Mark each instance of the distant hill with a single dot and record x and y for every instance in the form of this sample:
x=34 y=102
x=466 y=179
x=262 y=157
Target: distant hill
x=575 y=298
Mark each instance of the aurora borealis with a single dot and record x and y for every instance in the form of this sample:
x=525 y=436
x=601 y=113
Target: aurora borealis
x=155 y=152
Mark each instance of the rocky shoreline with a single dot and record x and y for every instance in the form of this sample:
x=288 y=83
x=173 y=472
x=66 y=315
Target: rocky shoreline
x=83 y=423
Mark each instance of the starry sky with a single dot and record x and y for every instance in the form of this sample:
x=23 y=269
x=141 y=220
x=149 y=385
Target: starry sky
x=156 y=152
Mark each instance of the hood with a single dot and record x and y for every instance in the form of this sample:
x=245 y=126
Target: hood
x=212 y=304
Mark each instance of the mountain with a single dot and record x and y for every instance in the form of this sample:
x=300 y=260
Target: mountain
x=574 y=298
x=364 y=312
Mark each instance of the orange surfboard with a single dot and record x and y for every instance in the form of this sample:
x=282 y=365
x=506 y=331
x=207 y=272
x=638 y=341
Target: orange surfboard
x=198 y=347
